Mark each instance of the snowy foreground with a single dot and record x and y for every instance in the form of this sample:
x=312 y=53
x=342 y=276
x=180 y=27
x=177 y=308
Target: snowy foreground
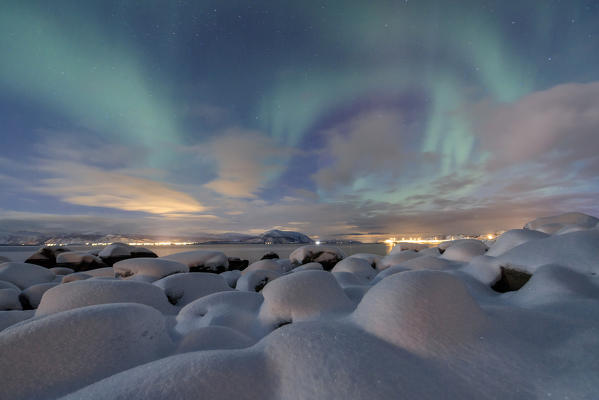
x=517 y=318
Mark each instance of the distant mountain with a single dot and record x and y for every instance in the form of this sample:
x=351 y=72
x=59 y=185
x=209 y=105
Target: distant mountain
x=37 y=238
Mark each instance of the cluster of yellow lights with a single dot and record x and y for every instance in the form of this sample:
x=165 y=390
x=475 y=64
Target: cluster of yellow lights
x=393 y=241
x=130 y=244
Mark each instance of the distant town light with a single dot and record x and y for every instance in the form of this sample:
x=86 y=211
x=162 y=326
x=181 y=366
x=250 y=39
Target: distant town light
x=317 y=242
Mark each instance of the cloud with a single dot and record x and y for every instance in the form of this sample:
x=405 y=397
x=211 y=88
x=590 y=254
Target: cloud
x=81 y=184
x=245 y=161
x=558 y=126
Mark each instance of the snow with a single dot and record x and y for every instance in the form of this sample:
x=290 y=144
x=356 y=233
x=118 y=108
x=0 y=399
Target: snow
x=357 y=266
x=464 y=250
x=255 y=280
x=79 y=260
x=33 y=294
x=309 y=266
x=52 y=356
x=152 y=267
x=116 y=250
x=9 y=300
x=231 y=277
x=401 y=246
x=373 y=259
x=554 y=223
x=325 y=255
x=396 y=259
x=181 y=289
x=201 y=260
x=24 y=275
x=513 y=238
x=62 y=270
x=90 y=292
x=213 y=338
x=268 y=264
x=8 y=318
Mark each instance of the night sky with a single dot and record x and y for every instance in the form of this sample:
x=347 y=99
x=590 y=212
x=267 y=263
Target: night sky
x=355 y=118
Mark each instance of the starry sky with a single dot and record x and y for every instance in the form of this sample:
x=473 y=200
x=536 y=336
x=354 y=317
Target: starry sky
x=354 y=119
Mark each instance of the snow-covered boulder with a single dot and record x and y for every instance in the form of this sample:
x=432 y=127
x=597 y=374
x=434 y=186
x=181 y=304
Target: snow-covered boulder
x=77 y=276
x=9 y=300
x=309 y=266
x=373 y=259
x=181 y=289
x=255 y=280
x=464 y=250
x=201 y=260
x=327 y=256
x=425 y=312
x=402 y=246
x=155 y=268
x=24 y=275
x=9 y=285
x=428 y=262
x=62 y=270
x=270 y=255
x=31 y=297
x=396 y=269
x=213 y=338
x=46 y=256
x=267 y=264
x=79 y=261
x=4 y=259
x=90 y=292
x=52 y=356
x=577 y=250
x=233 y=309
x=551 y=225
x=302 y=296
x=231 y=277
x=357 y=266
x=116 y=252
x=397 y=258
x=512 y=238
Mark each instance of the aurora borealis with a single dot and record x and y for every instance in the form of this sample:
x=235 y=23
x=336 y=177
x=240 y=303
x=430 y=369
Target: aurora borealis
x=328 y=117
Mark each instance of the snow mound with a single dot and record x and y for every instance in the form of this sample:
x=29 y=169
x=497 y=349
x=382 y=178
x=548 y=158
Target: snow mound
x=44 y=358
x=8 y=318
x=201 y=260
x=62 y=270
x=267 y=264
x=9 y=285
x=428 y=262
x=464 y=250
x=425 y=312
x=213 y=338
x=233 y=309
x=401 y=246
x=311 y=266
x=554 y=223
x=77 y=276
x=356 y=266
x=46 y=256
x=90 y=292
x=231 y=277
x=79 y=260
x=397 y=258
x=373 y=259
x=485 y=269
x=255 y=280
x=32 y=296
x=327 y=256
x=577 y=250
x=182 y=289
x=24 y=275
x=513 y=238
x=301 y=296
x=152 y=267
x=396 y=269
x=116 y=252
x=9 y=300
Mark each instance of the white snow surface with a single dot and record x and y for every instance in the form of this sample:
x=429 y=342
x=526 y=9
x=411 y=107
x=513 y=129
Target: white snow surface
x=24 y=275
x=9 y=300
x=152 y=267
x=316 y=253
x=410 y=325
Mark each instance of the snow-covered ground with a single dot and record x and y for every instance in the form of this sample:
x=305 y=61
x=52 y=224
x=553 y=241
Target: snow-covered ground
x=517 y=318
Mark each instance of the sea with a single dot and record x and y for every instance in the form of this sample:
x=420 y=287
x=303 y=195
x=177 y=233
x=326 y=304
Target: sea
x=250 y=252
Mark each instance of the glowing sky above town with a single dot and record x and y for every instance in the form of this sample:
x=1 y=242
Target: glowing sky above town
x=334 y=118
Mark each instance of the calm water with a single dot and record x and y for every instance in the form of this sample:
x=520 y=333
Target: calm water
x=251 y=252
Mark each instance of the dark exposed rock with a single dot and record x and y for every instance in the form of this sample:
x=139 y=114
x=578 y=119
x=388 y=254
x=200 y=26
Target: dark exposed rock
x=511 y=280
x=237 y=263
x=46 y=256
x=270 y=255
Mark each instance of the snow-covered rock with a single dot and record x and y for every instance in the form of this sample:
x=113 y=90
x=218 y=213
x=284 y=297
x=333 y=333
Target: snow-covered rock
x=62 y=270
x=255 y=280
x=309 y=266
x=155 y=268
x=327 y=256
x=464 y=250
x=24 y=275
x=90 y=292
x=429 y=262
x=267 y=264
x=213 y=338
x=302 y=296
x=8 y=318
x=32 y=296
x=52 y=356
x=79 y=261
x=231 y=277
x=9 y=300
x=373 y=259
x=116 y=252
x=46 y=256
x=397 y=258
x=201 y=260
x=402 y=246
x=554 y=223
x=181 y=289
x=512 y=238
x=356 y=266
